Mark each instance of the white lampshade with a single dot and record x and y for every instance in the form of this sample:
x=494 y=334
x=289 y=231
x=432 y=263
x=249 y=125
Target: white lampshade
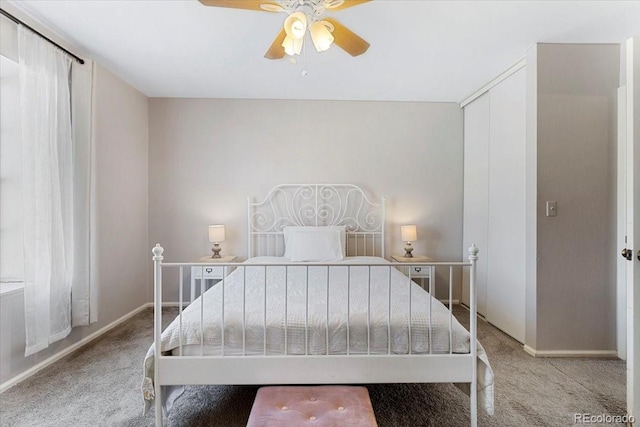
x=216 y=233
x=321 y=35
x=409 y=233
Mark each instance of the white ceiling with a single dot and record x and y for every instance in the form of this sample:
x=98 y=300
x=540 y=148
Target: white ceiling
x=439 y=51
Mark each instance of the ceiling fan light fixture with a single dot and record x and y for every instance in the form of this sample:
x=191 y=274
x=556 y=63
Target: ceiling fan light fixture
x=292 y=46
x=296 y=25
x=321 y=35
x=303 y=16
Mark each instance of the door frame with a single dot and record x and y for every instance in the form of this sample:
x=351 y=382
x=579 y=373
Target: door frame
x=631 y=216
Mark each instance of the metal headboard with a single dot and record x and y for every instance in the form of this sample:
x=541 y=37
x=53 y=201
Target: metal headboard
x=316 y=205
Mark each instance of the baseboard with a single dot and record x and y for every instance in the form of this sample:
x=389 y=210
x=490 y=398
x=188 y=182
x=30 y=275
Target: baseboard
x=40 y=366
x=609 y=354
x=480 y=316
x=171 y=304
x=453 y=301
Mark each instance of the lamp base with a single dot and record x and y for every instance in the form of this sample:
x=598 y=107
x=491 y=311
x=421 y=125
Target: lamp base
x=407 y=250
x=216 y=251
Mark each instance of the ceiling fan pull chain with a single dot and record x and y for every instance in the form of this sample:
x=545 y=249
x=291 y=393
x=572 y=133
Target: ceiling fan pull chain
x=304 y=62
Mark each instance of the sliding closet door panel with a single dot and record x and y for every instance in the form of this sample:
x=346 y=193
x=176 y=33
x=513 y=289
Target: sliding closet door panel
x=506 y=237
x=476 y=196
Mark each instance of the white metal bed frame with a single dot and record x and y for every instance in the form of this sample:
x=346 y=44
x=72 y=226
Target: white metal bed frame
x=317 y=205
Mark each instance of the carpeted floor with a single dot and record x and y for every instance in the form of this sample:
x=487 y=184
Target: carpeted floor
x=99 y=386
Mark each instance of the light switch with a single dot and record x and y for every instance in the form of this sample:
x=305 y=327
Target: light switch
x=552 y=208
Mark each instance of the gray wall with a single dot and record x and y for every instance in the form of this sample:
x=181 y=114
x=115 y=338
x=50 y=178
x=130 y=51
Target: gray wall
x=207 y=156
x=531 y=197
x=122 y=154
x=576 y=166
x=120 y=232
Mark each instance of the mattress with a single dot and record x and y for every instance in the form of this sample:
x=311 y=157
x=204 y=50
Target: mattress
x=308 y=318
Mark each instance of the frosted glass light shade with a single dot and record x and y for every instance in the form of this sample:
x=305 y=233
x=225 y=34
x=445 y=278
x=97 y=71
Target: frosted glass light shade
x=321 y=35
x=292 y=46
x=295 y=25
x=409 y=233
x=216 y=233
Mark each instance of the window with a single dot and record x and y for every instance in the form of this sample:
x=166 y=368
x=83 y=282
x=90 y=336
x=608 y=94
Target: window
x=11 y=240
x=45 y=167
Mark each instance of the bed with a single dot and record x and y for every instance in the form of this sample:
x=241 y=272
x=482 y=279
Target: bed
x=315 y=303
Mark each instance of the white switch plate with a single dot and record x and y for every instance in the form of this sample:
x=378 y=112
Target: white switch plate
x=552 y=208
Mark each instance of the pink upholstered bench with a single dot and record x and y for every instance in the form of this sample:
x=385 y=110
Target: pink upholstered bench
x=317 y=406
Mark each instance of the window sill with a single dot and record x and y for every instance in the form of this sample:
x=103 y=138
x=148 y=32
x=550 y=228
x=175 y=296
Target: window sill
x=10 y=288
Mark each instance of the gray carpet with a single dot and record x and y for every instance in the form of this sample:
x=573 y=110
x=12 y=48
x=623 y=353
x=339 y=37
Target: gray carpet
x=99 y=386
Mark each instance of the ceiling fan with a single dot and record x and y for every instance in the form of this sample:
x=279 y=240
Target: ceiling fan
x=303 y=16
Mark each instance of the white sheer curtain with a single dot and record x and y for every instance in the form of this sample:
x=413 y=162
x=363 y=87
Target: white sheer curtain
x=53 y=258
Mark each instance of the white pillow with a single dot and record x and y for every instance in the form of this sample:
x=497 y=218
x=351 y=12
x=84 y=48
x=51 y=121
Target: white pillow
x=315 y=247
x=288 y=231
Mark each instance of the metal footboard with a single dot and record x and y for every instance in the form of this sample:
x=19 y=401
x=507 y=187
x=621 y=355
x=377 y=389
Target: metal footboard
x=372 y=365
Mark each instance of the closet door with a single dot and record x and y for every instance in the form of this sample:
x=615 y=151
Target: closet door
x=476 y=194
x=506 y=216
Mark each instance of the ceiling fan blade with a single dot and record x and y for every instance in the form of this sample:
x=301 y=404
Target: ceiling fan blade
x=347 y=4
x=242 y=4
x=276 y=51
x=349 y=41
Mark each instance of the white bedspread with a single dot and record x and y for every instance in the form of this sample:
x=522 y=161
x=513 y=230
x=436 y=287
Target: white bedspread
x=304 y=327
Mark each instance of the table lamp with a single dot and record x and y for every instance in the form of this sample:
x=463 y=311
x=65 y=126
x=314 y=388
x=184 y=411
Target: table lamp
x=409 y=234
x=216 y=235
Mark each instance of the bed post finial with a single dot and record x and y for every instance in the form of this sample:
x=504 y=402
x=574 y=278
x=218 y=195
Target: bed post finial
x=157 y=252
x=473 y=252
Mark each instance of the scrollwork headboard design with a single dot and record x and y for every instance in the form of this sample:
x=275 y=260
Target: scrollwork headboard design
x=316 y=205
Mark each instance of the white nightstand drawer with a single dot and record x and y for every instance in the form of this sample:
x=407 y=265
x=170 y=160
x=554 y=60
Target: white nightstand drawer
x=415 y=271
x=208 y=272
x=418 y=272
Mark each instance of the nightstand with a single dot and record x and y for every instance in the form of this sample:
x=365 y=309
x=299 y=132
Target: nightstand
x=416 y=272
x=209 y=272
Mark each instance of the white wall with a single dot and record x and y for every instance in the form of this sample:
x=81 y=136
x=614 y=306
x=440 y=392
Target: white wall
x=207 y=156
x=119 y=237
